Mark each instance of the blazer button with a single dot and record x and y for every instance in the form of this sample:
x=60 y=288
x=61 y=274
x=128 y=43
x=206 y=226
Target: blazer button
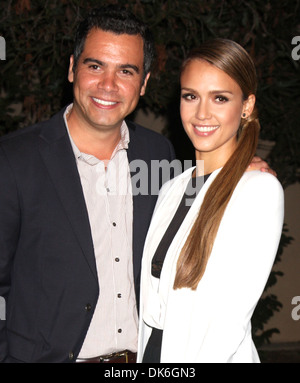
x=71 y=355
x=88 y=307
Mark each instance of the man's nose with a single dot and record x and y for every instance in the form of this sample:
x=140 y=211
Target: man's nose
x=108 y=82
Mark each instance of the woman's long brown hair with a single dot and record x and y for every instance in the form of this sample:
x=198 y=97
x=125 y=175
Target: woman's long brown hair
x=231 y=58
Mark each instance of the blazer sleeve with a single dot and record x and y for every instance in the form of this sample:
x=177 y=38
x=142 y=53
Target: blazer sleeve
x=9 y=232
x=244 y=252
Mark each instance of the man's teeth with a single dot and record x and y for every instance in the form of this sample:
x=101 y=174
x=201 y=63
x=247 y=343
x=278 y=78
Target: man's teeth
x=102 y=102
x=204 y=129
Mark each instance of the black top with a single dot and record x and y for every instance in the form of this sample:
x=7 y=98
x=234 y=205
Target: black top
x=153 y=347
x=194 y=186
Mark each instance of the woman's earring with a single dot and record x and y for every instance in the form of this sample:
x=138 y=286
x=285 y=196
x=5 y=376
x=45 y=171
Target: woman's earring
x=244 y=115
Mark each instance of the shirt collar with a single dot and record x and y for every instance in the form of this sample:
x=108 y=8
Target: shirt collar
x=123 y=143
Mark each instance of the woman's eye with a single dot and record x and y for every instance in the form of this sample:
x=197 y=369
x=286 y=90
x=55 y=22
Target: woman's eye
x=221 y=99
x=188 y=96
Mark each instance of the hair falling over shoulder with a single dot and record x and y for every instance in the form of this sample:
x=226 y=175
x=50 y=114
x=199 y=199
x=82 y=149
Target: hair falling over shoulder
x=235 y=61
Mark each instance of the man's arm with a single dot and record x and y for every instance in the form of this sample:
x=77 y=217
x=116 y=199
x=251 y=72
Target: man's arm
x=9 y=231
x=259 y=164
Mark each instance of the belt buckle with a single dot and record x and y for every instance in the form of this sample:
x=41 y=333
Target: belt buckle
x=124 y=353
x=107 y=357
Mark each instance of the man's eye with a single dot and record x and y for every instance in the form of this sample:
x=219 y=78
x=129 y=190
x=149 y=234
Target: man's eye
x=126 y=72
x=94 y=66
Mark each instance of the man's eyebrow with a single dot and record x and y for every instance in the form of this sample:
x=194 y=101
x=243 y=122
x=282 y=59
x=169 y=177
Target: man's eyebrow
x=91 y=60
x=101 y=63
x=130 y=66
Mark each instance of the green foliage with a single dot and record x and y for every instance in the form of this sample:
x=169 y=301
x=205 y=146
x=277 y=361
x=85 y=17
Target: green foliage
x=265 y=29
x=39 y=37
x=264 y=311
x=268 y=304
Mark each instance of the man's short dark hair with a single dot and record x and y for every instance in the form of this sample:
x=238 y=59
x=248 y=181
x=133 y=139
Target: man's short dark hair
x=117 y=20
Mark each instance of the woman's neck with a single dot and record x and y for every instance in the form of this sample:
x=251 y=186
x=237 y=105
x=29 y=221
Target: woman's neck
x=207 y=162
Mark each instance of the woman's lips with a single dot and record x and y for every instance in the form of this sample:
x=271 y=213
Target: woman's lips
x=205 y=130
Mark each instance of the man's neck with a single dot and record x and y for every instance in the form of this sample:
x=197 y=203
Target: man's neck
x=100 y=144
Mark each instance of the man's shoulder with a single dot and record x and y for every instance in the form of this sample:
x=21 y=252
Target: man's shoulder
x=28 y=132
x=147 y=144
x=19 y=133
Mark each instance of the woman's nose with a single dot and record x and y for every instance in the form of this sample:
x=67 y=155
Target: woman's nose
x=203 y=110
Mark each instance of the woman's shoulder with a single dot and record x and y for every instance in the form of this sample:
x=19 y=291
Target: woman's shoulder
x=258 y=183
x=258 y=177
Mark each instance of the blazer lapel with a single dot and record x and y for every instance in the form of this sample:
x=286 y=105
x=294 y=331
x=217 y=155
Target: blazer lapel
x=58 y=156
x=133 y=153
x=142 y=204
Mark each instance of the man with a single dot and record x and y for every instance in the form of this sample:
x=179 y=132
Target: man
x=72 y=226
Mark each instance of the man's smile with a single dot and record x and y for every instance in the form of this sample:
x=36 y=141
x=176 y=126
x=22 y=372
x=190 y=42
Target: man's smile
x=104 y=102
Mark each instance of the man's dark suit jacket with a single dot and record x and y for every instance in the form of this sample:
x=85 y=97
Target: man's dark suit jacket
x=47 y=265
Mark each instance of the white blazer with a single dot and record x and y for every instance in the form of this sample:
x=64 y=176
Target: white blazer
x=212 y=323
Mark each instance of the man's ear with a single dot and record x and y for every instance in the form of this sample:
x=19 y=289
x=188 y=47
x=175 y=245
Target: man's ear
x=144 y=86
x=70 y=72
x=248 y=106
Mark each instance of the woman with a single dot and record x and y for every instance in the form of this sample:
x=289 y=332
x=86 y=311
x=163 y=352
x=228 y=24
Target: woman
x=206 y=260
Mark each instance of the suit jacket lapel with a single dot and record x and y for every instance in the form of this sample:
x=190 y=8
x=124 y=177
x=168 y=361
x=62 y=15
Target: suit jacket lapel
x=58 y=156
x=142 y=204
x=135 y=152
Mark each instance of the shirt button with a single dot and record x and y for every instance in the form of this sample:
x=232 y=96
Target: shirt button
x=117 y=259
x=120 y=330
x=119 y=295
x=114 y=224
